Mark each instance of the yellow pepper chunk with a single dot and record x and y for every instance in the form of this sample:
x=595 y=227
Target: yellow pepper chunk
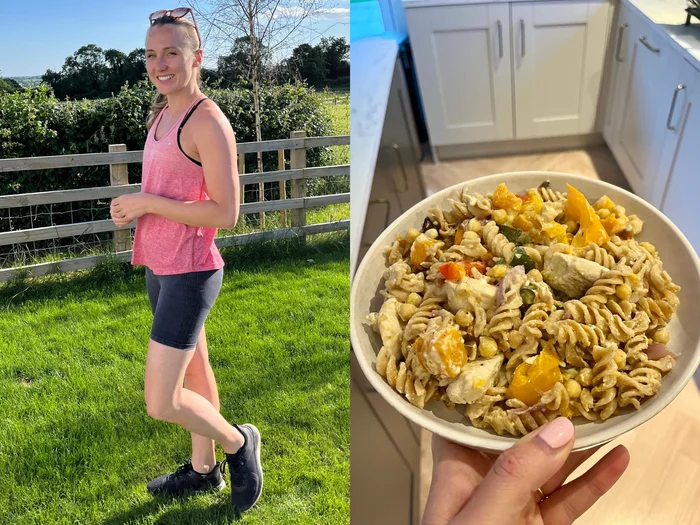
x=554 y=230
x=530 y=381
x=506 y=200
x=578 y=209
x=522 y=223
x=613 y=224
x=419 y=249
x=533 y=204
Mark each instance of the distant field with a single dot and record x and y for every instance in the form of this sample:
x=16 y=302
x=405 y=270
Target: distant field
x=27 y=81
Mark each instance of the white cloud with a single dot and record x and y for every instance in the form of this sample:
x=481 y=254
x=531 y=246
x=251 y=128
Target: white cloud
x=296 y=11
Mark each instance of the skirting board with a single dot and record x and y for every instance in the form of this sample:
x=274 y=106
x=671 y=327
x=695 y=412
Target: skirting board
x=515 y=147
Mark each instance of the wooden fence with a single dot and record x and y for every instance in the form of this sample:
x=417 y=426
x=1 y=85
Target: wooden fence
x=118 y=158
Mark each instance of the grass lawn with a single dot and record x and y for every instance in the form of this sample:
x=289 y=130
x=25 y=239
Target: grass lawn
x=76 y=444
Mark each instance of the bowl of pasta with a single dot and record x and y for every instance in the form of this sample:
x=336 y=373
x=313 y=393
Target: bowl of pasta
x=496 y=305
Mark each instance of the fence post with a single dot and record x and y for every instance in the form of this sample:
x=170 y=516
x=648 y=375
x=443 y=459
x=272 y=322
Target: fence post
x=119 y=176
x=298 y=161
x=283 y=187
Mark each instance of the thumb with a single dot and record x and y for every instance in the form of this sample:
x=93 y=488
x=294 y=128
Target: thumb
x=518 y=472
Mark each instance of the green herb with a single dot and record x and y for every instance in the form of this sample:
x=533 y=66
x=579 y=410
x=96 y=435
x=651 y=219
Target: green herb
x=520 y=257
x=500 y=261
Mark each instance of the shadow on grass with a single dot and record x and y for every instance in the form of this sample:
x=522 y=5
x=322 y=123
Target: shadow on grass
x=220 y=512
x=112 y=275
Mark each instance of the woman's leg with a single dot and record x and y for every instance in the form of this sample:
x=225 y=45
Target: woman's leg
x=167 y=400
x=199 y=378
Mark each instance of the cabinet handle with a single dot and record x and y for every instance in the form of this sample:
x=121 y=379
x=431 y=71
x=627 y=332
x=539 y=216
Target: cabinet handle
x=403 y=170
x=522 y=37
x=651 y=48
x=620 y=32
x=499 y=26
x=680 y=88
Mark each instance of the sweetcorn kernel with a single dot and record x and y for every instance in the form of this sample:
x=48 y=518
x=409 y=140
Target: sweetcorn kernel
x=406 y=311
x=604 y=203
x=603 y=213
x=515 y=339
x=474 y=225
x=573 y=388
x=623 y=291
x=432 y=233
x=498 y=272
x=487 y=347
x=661 y=336
x=463 y=318
x=500 y=216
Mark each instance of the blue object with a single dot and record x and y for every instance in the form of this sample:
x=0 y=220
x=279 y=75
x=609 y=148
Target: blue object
x=365 y=19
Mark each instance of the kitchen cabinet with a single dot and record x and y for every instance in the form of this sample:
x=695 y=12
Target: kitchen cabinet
x=521 y=70
x=644 y=96
x=385 y=463
x=558 y=53
x=643 y=122
x=680 y=201
x=462 y=60
x=397 y=184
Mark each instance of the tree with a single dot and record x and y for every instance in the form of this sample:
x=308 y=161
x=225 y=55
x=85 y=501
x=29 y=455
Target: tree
x=336 y=52
x=94 y=73
x=9 y=85
x=309 y=63
x=237 y=64
x=270 y=24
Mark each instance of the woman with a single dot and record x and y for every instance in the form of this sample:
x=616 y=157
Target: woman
x=189 y=189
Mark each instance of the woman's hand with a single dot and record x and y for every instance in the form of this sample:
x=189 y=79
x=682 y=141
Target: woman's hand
x=128 y=207
x=469 y=486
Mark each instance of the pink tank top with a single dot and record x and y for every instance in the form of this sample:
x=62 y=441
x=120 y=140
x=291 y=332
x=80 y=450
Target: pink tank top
x=168 y=247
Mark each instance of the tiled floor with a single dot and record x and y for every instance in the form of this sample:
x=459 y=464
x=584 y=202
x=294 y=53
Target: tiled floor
x=662 y=483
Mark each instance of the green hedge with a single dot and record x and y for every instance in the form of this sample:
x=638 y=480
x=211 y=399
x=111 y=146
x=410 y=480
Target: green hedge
x=34 y=123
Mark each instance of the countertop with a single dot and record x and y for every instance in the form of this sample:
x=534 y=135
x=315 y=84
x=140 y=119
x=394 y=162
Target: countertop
x=669 y=17
x=373 y=62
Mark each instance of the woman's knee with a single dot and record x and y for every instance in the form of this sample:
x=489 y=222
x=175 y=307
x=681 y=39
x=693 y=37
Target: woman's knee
x=161 y=407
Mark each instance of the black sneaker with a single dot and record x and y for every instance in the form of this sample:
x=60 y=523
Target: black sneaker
x=186 y=480
x=245 y=470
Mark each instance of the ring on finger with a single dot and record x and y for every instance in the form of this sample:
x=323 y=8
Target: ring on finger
x=542 y=495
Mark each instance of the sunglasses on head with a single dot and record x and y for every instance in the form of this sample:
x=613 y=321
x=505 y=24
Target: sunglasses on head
x=175 y=14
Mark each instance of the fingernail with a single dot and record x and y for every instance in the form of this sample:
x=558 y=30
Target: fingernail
x=557 y=433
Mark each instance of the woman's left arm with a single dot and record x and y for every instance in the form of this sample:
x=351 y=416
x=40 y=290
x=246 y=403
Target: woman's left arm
x=216 y=144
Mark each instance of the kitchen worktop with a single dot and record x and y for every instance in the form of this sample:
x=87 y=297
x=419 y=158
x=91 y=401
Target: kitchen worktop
x=373 y=62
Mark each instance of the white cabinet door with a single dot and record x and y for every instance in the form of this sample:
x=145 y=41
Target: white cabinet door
x=621 y=44
x=558 y=54
x=680 y=203
x=645 y=103
x=462 y=60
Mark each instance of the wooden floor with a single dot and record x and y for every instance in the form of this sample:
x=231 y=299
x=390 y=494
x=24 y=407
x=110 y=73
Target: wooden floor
x=662 y=483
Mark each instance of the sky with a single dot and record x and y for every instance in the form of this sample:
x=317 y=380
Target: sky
x=39 y=34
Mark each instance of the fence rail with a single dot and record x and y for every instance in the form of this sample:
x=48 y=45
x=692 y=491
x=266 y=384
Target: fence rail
x=117 y=159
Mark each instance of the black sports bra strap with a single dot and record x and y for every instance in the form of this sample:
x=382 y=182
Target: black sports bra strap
x=182 y=124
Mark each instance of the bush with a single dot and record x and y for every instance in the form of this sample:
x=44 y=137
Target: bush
x=34 y=123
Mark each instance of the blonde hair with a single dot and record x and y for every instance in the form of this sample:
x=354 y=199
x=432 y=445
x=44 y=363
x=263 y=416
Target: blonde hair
x=192 y=41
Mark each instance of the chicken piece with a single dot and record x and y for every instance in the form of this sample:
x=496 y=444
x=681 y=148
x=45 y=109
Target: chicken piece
x=458 y=294
x=442 y=352
x=570 y=274
x=389 y=327
x=476 y=378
